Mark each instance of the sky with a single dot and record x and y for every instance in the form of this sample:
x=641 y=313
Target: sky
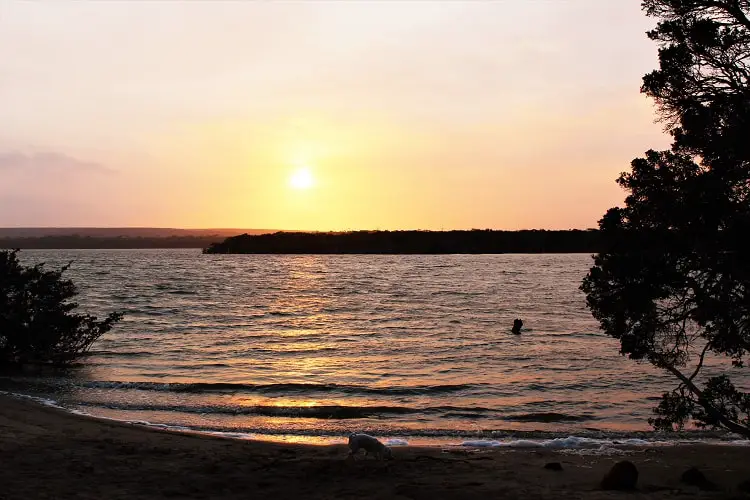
x=505 y=114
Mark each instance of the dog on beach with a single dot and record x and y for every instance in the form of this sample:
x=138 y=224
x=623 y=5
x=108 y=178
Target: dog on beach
x=370 y=445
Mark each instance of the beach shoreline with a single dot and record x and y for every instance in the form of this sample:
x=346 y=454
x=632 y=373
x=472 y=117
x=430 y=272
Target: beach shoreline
x=51 y=453
x=560 y=439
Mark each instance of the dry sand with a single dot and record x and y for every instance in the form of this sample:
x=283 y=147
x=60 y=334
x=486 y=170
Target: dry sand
x=47 y=453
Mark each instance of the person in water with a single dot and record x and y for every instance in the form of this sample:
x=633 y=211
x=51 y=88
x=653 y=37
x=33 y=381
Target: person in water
x=517 y=324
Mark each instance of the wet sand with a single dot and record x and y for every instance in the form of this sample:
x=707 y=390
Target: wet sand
x=48 y=453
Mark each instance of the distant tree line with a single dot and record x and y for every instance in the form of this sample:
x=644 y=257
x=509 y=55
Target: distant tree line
x=412 y=242
x=125 y=242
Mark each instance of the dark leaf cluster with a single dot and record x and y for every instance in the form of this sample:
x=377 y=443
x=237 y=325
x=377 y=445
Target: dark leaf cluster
x=38 y=322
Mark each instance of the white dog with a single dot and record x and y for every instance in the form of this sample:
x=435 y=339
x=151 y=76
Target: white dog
x=370 y=445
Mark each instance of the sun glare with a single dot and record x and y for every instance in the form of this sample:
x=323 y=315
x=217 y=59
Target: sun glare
x=301 y=179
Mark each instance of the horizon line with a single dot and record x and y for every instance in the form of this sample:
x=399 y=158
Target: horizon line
x=296 y=230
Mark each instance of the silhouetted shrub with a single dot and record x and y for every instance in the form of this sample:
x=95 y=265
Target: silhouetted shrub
x=37 y=319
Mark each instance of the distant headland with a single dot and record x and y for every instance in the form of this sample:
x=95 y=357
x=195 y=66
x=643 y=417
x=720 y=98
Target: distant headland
x=114 y=237
x=222 y=241
x=412 y=242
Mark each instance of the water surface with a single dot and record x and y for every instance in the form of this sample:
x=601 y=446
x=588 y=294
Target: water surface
x=414 y=346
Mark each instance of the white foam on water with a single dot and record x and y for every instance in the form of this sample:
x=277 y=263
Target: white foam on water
x=481 y=443
x=601 y=451
x=232 y=435
x=161 y=426
x=54 y=404
x=397 y=442
x=138 y=422
x=635 y=442
x=570 y=442
x=43 y=401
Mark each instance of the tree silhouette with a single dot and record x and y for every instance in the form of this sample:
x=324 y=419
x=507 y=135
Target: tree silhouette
x=37 y=323
x=672 y=281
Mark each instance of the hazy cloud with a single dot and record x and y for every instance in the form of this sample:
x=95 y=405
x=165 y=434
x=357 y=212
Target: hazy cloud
x=47 y=161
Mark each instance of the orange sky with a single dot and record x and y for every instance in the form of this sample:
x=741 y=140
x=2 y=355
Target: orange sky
x=507 y=114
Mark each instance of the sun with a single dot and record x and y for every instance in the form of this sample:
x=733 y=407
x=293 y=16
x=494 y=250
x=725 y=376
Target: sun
x=301 y=179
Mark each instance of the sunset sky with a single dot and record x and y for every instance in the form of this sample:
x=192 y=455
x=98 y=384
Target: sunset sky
x=336 y=115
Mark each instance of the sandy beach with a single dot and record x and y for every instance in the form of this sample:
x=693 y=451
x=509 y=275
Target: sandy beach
x=48 y=453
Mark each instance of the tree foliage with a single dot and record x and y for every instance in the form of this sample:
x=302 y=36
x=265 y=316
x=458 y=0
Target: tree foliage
x=672 y=282
x=37 y=319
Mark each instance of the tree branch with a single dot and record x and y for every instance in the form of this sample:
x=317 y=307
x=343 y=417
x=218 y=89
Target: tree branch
x=729 y=424
x=700 y=363
x=737 y=13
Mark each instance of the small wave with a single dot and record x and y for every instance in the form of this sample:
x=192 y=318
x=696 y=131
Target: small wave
x=317 y=412
x=446 y=437
x=124 y=354
x=148 y=312
x=171 y=289
x=464 y=414
x=481 y=443
x=547 y=417
x=37 y=399
x=199 y=366
x=472 y=410
x=321 y=411
x=232 y=435
x=456 y=293
x=289 y=352
x=208 y=387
